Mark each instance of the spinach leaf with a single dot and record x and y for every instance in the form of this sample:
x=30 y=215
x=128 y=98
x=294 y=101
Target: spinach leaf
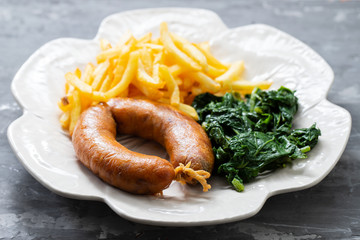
x=253 y=135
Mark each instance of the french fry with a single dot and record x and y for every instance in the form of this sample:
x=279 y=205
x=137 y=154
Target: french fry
x=128 y=76
x=144 y=78
x=77 y=72
x=75 y=111
x=243 y=85
x=124 y=93
x=87 y=77
x=205 y=46
x=67 y=87
x=85 y=100
x=190 y=50
x=146 y=59
x=175 y=70
x=64 y=104
x=178 y=81
x=187 y=109
x=159 y=58
x=106 y=84
x=121 y=64
x=120 y=49
x=205 y=81
x=73 y=80
x=171 y=85
x=174 y=52
x=214 y=72
x=196 y=90
x=150 y=92
x=111 y=53
x=65 y=119
x=152 y=46
x=205 y=49
x=100 y=74
x=175 y=96
x=108 y=54
x=233 y=73
x=188 y=83
x=156 y=74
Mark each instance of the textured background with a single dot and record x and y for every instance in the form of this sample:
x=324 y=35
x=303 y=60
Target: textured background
x=329 y=210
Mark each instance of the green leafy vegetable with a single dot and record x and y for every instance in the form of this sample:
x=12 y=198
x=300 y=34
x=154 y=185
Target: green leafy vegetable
x=253 y=135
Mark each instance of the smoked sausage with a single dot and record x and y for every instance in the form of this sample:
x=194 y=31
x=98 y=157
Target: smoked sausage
x=96 y=146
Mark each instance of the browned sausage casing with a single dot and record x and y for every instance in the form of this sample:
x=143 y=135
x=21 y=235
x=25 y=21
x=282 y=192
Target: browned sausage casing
x=96 y=147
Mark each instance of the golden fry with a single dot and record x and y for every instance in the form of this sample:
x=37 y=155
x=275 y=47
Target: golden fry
x=190 y=50
x=106 y=84
x=205 y=49
x=75 y=111
x=205 y=81
x=152 y=46
x=173 y=88
x=87 y=77
x=233 y=73
x=187 y=83
x=144 y=78
x=146 y=59
x=121 y=64
x=214 y=72
x=73 y=80
x=159 y=58
x=100 y=74
x=77 y=72
x=64 y=104
x=150 y=92
x=65 y=120
x=128 y=76
x=108 y=54
x=174 y=52
x=185 y=108
x=189 y=110
x=242 y=85
x=175 y=70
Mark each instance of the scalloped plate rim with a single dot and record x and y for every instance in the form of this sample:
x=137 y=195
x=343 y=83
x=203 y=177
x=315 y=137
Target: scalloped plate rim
x=19 y=99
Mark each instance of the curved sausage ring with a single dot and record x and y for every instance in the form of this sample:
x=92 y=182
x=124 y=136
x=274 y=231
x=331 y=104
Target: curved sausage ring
x=183 y=138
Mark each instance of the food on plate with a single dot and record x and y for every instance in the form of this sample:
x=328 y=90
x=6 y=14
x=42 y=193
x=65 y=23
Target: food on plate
x=167 y=72
x=253 y=135
x=189 y=148
x=167 y=69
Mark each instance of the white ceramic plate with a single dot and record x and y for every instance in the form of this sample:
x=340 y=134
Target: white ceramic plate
x=46 y=151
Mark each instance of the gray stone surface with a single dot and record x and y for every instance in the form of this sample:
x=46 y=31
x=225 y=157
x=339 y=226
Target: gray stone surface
x=329 y=210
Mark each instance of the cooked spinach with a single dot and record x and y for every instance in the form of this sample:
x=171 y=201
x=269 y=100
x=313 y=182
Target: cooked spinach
x=253 y=135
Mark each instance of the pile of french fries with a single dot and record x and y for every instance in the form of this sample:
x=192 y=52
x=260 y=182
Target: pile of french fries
x=168 y=69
